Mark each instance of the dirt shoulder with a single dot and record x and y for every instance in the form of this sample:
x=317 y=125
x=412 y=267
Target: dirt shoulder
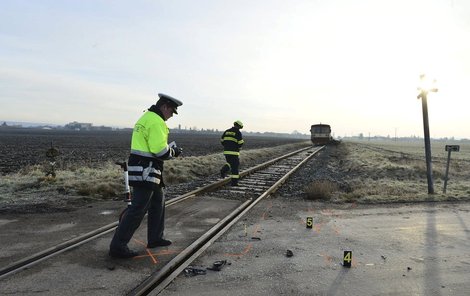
x=357 y=173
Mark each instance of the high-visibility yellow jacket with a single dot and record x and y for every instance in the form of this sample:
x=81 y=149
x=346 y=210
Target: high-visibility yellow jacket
x=232 y=140
x=149 y=147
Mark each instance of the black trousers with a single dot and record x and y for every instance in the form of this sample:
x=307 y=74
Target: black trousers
x=143 y=200
x=232 y=166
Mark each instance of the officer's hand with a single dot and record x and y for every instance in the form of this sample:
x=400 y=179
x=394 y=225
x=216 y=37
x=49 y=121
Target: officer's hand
x=177 y=151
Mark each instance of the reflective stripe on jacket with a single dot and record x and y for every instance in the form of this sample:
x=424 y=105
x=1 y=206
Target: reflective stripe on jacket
x=232 y=140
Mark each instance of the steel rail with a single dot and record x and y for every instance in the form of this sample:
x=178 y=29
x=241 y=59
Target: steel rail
x=79 y=240
x=159 y=280
x=55 y=250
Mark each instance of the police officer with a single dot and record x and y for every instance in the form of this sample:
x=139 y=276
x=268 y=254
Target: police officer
x=149 y=148
x=232 y=140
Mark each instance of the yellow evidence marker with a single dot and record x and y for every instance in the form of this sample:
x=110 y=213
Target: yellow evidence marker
x=309 y=222
x=347 y=258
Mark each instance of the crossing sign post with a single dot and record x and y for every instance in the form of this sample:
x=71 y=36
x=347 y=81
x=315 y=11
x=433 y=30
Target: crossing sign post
x=453 y=148
x=449 y=149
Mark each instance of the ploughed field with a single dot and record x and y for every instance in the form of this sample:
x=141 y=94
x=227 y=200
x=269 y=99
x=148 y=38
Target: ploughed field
x=21 y=148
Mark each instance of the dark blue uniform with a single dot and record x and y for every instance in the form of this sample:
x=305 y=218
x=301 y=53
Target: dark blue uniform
x=232 y=140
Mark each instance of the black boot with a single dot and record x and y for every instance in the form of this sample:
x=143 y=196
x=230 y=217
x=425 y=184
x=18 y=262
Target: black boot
x=223 y=171
x=160 y=243
x=122 y=253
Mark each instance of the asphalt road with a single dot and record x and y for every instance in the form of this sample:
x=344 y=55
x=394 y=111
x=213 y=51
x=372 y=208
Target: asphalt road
x=419 y=249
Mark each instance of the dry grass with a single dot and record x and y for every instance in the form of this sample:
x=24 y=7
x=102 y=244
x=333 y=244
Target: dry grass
x=374 y=172
x=104 y=182
x=108 y=181
x=320 y=190
x=396 y=172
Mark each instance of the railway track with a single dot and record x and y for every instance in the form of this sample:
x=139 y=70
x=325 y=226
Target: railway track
x=255 y=184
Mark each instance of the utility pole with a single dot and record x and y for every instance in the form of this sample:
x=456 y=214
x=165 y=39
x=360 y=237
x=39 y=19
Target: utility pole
x=427 y=140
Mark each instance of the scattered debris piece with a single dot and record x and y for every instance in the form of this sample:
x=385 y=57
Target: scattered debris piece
x=408 y=268
x=217 y=265
x=383 y=257
x=256 y=238
x=289 y=253
x=192 y=271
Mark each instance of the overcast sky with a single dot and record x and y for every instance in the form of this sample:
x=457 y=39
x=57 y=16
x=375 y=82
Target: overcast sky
x=275 y=65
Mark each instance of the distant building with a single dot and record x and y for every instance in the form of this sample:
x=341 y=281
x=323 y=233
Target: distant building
x=5 y=125
x=78 y=126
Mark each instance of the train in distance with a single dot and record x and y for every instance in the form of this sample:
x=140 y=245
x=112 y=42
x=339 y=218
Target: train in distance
x=320 y=134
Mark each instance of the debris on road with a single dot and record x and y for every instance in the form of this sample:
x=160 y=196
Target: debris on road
x=217 y=265
x=192 y=271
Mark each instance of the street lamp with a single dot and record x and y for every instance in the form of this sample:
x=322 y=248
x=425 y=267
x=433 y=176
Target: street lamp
x=423 y=94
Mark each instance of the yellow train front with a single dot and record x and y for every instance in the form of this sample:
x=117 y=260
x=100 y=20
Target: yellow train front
x=320 y=134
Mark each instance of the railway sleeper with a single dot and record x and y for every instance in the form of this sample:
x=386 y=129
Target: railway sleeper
x=269 y=173
x=232 y=191
x=254 y=183
x=252 y=188
x=277 y=169
x=282 y=167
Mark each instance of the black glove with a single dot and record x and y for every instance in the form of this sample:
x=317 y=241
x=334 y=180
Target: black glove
x=177 y=151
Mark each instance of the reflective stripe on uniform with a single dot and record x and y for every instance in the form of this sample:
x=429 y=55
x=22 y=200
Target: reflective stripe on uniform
x=232 y=152
x=149 y=154
x=148 y=170
x=230 y=139
x=163 y=151
x=141 y=153
x=141 y=179
x=132 y=168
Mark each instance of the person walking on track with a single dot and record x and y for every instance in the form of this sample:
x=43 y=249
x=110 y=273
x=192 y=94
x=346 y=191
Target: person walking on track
x=149 y=148
x=232 y=140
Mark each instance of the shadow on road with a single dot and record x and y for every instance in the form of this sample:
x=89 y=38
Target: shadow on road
x=337 y=282
x=432 y=275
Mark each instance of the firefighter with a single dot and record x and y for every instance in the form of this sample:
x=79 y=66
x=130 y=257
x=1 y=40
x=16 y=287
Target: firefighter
x=232 y=140
x=149 y=148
